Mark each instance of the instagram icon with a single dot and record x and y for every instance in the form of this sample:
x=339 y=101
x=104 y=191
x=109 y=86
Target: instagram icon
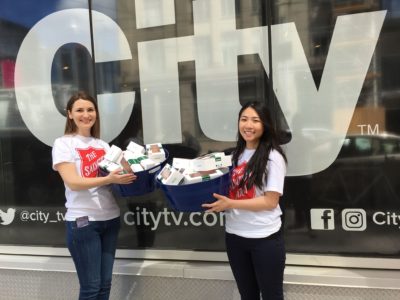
x=354 y=219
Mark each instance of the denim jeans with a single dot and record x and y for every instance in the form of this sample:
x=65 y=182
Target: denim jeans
x=92 y=248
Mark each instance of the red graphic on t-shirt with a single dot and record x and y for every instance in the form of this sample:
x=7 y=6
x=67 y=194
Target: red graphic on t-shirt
x=89 y=160
x=240 y=193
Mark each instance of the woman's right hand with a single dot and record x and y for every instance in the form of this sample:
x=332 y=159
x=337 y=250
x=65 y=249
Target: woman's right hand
x=118 y=178
x=222 y=203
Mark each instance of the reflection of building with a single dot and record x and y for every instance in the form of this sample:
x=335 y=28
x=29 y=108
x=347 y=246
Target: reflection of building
x=72 y=70
x=340 y=7
x=11 y=36
x=380 y=91
x=7 y=73
x=366 y=120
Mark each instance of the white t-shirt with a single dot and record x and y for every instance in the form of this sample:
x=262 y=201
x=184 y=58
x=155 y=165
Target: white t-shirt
x=259 y=224
x=85 y=152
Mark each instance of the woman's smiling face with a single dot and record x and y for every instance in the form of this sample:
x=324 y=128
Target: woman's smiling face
x=83 y=113
x=250 y=127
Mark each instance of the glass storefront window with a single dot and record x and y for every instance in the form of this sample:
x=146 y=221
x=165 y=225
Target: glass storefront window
x=177 y=74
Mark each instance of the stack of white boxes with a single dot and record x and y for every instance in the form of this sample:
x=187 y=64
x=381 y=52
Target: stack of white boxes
x=135 y=158
x=200 y=169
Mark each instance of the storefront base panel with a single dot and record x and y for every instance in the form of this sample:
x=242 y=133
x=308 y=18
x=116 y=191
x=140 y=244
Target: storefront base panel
x=40 y=277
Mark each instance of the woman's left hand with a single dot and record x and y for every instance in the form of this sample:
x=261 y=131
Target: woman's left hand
x=222 y=203
x=125 y=178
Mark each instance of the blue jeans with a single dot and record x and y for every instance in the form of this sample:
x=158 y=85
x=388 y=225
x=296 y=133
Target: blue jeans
x=92 y=248
x=258 y=265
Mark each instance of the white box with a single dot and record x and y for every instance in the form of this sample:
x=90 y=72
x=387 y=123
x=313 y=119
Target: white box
x=129 y=155
x=136 y=167
x=125 y=165
x=223 y=161
x=179 y=163
x=201 y=176
x=171 y=176
x=211 y=161
x=203 y=163
x=144 y=161
x=109 y=166
x=113 y=154
x=135 y=148
x=134 y=163
x=155 y=152
x=103 y=164
x=147 y=163
x=113 y=166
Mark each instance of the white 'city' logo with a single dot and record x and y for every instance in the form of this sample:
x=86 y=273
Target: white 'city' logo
x=7 y=217
x=352 y=45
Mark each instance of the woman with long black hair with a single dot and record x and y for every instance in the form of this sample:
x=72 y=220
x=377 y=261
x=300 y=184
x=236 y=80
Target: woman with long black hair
x=254 y=240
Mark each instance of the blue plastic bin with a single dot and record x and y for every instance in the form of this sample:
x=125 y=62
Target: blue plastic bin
x=190 y=197
x=145 y=182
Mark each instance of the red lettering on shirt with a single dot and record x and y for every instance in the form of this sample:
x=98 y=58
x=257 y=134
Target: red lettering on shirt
x=240 y=193
x=89 y=160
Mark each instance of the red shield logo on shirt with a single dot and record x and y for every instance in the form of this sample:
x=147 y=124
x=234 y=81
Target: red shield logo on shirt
x=240 y=193
x=89 y=160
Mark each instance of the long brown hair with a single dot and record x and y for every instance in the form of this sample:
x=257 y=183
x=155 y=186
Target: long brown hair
x=70 y=126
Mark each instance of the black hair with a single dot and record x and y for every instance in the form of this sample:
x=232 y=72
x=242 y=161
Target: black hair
x=256 y=167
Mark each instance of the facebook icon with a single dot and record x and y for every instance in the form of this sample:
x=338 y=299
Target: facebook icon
x=322 y=219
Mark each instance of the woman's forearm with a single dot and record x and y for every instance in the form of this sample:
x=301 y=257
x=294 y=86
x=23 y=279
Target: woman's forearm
x=268 y=201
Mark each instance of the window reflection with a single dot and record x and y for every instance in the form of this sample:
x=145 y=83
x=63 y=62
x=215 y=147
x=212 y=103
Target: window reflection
x=364 y=173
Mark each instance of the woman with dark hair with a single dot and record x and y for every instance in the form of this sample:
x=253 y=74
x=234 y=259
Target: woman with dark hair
x=254 y=240
x=93 y=216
